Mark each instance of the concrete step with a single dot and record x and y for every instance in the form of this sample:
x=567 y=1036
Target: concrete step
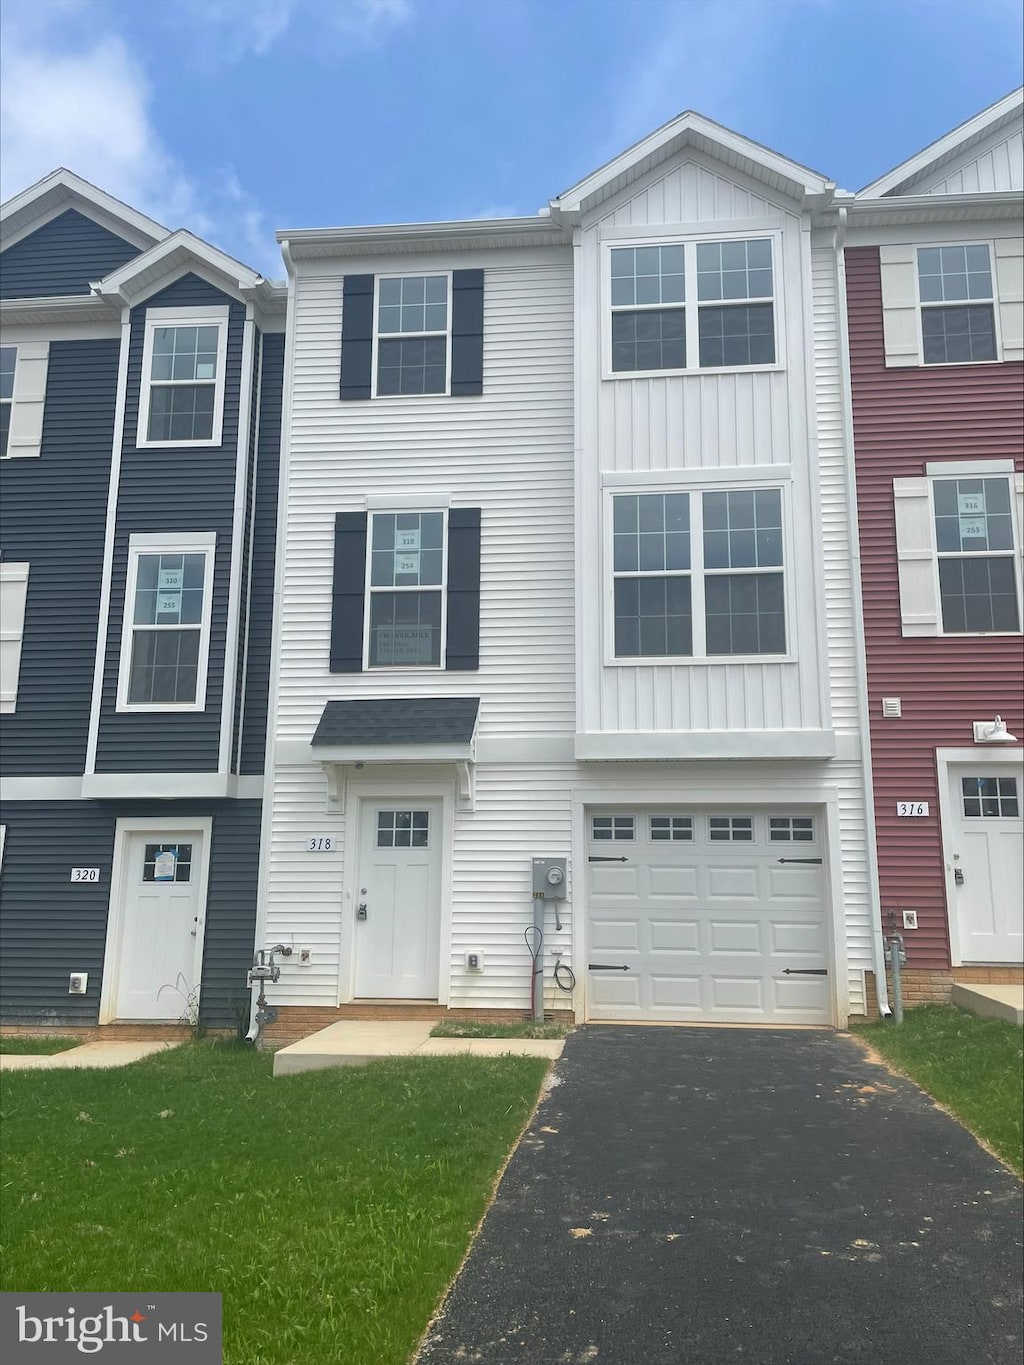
x=354 y=1042
x=991 y=1002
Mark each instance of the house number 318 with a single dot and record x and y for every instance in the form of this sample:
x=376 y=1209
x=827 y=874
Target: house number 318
x=320 y=843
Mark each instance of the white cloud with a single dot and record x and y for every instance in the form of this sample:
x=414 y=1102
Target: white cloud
x=235 y=29
x=88 y=106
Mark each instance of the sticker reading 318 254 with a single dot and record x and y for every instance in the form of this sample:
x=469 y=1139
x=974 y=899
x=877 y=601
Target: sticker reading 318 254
x=85 y=874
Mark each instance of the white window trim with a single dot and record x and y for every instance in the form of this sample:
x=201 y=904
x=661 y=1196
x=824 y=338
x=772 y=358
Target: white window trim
x=11 y=634
x=696 y=575
x=917 y=551
x=691 y=303
x=442 y=588
x=214 y=316
x=1013 y=554
x=28 y=400
x=180 y=543
x=922 y=307
x=400 y=336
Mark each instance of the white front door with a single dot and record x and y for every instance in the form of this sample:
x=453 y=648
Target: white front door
x=985 y=847
x=160 y=952
x=398 y=901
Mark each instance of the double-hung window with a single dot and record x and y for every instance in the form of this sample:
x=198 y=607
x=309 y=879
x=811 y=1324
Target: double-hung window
x=165 y=637
x=412 y=334
x=692 y=306
x=957 y=304
x=698 y=574
x=182 y=391
x=976 y=558
x=8 y=362
x=405 y=600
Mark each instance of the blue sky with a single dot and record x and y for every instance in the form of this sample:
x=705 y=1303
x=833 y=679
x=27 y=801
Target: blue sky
x=236 y=117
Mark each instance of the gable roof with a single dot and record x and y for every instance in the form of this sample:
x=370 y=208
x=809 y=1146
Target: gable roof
x=691 y=129
x=906 y=178
x=178 y=250
x=62 y=190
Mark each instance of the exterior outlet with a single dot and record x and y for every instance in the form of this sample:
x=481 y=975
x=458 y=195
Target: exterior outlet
x=910 y=919
x=305 y=956
x=78 y=983
x=474 y=962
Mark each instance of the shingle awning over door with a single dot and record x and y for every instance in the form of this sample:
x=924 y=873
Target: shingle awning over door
x=390 y=730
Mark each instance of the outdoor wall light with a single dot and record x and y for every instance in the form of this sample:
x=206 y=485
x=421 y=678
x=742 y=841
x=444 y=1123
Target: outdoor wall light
x=992 y=732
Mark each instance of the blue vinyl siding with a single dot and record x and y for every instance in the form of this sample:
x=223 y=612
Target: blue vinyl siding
x=52 y=516
x=63 y=257
x=50 y=927
x=261 y=604
x=168 y=490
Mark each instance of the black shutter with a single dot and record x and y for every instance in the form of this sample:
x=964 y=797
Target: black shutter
x=356 y=337
x=463 y=643
x=348 y=592
x=467 y=332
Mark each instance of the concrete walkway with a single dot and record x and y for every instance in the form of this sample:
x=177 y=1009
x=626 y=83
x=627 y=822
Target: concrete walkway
x=88 y=1055
x=696 y=1197
x=354 y=1042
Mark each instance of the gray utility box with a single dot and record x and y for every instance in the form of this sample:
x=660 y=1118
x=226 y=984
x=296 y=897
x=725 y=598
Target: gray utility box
x=549 y=879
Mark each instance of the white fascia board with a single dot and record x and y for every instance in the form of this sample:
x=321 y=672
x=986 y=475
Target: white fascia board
x=61 y=190
x=932 y=207
x=970 y=131
x=179 y=249
x=163 y=786
x=691 y=126
x=640 y=746
x=390 y=238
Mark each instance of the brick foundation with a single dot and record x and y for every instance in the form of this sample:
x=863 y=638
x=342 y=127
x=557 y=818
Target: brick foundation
x=922 y=987
x=299 y=1021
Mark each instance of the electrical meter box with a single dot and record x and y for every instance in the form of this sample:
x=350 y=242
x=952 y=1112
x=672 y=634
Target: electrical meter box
x=549 y=879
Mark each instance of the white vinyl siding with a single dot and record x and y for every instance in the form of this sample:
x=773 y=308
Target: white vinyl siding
x=24 y=407
x=13 y=594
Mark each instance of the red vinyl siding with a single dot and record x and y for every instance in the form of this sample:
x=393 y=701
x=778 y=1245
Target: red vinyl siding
x=902 y=419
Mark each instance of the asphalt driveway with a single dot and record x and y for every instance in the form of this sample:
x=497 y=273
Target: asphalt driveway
x=695 y=1195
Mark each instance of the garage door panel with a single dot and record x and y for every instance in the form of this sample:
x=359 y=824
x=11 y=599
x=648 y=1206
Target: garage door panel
x=732 y=883
x=677 y=883
x=710 y=927
x=615 y=935
x=796 y=938
x=746 y=993
x=675 y=992
x=735 y=936
x=794 y=883
x=807 y=995
x=674 y=935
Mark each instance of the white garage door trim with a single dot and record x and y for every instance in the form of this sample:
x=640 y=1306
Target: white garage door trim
x=686 y=904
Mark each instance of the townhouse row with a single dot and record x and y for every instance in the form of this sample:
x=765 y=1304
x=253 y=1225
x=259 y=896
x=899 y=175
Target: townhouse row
x=615 y=611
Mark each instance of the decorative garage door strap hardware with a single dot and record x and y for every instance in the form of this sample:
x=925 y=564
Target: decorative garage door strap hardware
x=606 y=967
x=799 y=860
x=596 y=858
x=805 y=971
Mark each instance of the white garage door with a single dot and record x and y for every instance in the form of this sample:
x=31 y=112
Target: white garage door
x=707 y=915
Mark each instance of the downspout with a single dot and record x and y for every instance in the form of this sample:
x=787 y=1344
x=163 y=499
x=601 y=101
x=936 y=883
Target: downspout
x=270 y=749
x=857 y=603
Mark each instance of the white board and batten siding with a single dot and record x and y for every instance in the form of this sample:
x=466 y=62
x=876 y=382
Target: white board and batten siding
x=708 y=430
x=698 y=430
x=509 y=452
x=997 y=166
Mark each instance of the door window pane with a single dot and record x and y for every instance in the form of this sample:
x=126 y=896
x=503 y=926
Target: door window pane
x=178 y=865
x=403 y=828
x=994 y=797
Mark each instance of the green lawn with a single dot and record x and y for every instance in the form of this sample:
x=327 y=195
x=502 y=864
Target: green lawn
x=479 y=1028
x=331 y=1209
x=36 y=1047
x=972 y=1066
